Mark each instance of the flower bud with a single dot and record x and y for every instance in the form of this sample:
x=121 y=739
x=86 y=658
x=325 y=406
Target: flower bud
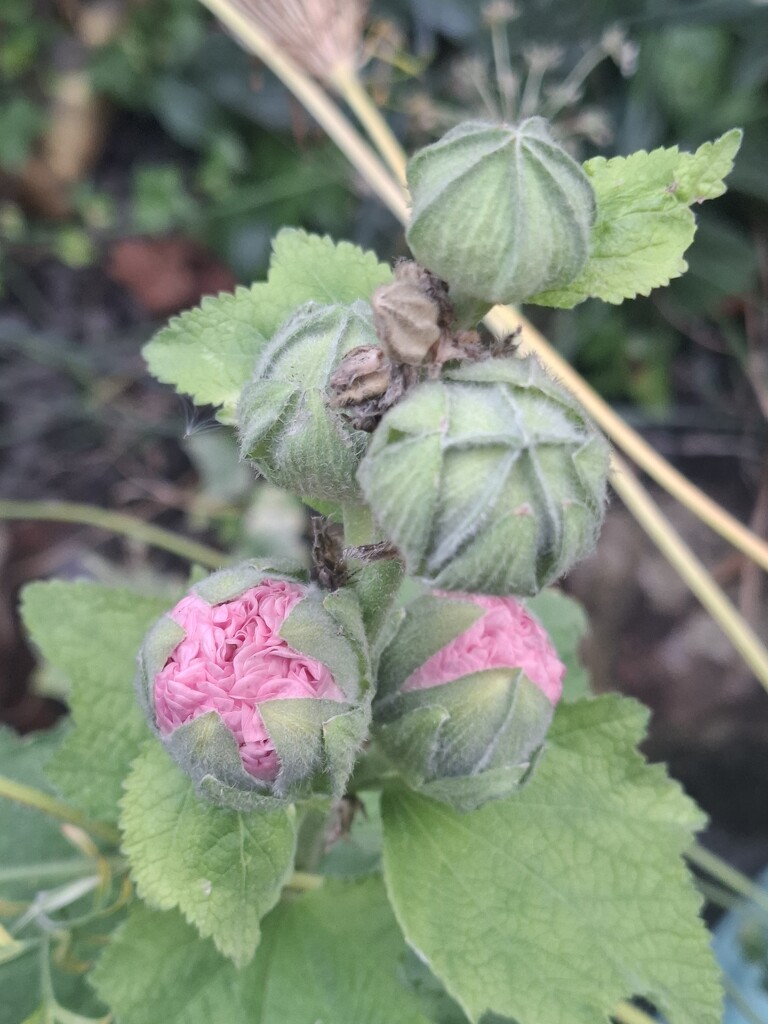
x=256 y=687
x=466 y=694
x=500 y=212
x=287 y=427
x=490 y=480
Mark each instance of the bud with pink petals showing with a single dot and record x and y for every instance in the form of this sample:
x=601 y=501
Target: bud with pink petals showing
x=467 y=690
x=256 y=683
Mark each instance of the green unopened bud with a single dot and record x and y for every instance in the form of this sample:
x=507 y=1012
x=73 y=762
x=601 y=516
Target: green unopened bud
x=287 y=427
x=259 y=686
x=490 y=480
x=466 y=695
x=500 y=212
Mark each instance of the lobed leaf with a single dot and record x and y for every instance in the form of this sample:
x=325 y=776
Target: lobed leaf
x=328 y=956
x=223 y=869
x=644 y=224
x=92 y=633
x=563 y=899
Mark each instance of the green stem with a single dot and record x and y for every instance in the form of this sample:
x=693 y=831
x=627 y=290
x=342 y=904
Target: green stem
x=730 y=877
x=741 y=1004
x=73 y=867
x=114 y=522
x=359 y=526
x=304 y=882
x=28 y=796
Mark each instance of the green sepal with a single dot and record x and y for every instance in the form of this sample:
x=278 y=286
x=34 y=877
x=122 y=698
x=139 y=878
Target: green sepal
x=320 y=628
x=491 y=480
x=287 y=427
x=315 y=755
x=427 y=625
x=207 y=753
x=469 y=740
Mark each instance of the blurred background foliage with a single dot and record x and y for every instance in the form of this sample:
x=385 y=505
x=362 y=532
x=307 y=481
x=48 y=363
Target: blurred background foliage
x=146 y=160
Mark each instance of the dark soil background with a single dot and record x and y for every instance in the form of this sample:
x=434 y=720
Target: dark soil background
x=94 y=260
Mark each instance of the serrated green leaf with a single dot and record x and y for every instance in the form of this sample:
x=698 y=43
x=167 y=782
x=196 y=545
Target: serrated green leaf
x=566 y=622
x=567 y=897
x=644 y=224
x=210 y=352
x=223 y=869
x=91 y=634
x=328 y=957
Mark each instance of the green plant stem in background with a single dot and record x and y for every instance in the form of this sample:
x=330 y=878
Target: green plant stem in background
x=690 y=569
x=31 y=797
x=728 y=876
x=114 y=522
x=73 y=867
x=303 y=881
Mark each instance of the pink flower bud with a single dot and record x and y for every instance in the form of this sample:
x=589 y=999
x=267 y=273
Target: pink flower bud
x=230 y=661
x=505 y=637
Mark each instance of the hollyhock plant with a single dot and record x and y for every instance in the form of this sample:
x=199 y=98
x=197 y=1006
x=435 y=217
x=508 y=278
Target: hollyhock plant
x=466 y=695
x=239 y=696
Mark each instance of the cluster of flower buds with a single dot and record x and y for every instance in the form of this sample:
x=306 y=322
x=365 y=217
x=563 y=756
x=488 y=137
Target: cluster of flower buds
x=482 y=474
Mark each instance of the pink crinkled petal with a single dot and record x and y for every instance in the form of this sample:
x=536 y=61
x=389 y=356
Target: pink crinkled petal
x=233 y=658
x=506 y=636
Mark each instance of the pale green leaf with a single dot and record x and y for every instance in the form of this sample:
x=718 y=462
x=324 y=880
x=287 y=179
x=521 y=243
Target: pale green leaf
x=210 y=352
x=566 y=622
x=644 y=224
x=570 y=895
x=92 y=634
x=223 y=869
x=328 y=957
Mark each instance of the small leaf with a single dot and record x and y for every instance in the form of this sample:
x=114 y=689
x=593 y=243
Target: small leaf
x=210 y=352
x=329 y=956
x=643 y=222
x=570 y=895
x=92 y=634
x=566 y=622
x=223 y=869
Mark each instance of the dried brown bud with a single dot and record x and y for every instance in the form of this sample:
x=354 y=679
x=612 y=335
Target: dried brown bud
x=364 y=373
x=411 y=314
x=366 y=384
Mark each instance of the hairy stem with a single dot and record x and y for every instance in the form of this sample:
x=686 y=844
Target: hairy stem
x=114 y=522
x=28 y=796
